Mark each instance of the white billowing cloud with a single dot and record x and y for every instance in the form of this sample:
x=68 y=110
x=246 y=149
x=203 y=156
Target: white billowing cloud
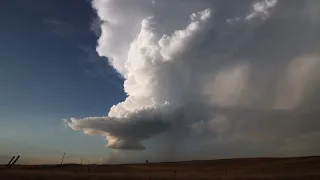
x=261 y=9
x=215 y=82
x=116 y=24
x=143 y=111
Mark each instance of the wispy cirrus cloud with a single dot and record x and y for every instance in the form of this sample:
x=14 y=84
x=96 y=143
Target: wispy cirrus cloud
x=59 y=28
x=96 y=66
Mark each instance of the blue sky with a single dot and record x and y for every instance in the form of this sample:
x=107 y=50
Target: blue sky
x=49 y=70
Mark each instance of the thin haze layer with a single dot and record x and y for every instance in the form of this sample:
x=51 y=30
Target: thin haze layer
x=217 y=75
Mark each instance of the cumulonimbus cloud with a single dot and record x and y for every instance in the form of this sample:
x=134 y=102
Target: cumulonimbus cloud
x=225 y=77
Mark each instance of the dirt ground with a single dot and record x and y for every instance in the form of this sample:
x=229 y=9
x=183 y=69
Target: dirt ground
x=230 y=169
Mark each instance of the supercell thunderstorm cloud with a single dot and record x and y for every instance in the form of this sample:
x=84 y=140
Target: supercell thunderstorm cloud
x=228 y=77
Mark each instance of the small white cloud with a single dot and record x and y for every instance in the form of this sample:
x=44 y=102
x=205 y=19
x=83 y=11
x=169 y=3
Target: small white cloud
x=261 y=9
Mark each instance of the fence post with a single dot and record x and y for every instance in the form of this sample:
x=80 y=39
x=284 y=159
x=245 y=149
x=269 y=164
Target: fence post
x=175 y=171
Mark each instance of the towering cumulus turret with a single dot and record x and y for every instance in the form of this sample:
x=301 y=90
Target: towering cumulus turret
x=221 y=75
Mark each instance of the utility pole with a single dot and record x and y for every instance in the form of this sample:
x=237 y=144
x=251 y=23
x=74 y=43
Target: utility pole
x=89 y=166
x=63 y=157
x=81 y=161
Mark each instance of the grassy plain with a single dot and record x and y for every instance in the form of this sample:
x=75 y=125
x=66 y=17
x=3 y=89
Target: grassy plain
x=226 y=169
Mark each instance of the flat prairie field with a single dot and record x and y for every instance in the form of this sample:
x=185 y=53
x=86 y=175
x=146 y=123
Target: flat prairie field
x=307 y=168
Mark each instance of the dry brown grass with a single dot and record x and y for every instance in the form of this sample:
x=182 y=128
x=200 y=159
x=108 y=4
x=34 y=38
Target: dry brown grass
x=231 y=169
